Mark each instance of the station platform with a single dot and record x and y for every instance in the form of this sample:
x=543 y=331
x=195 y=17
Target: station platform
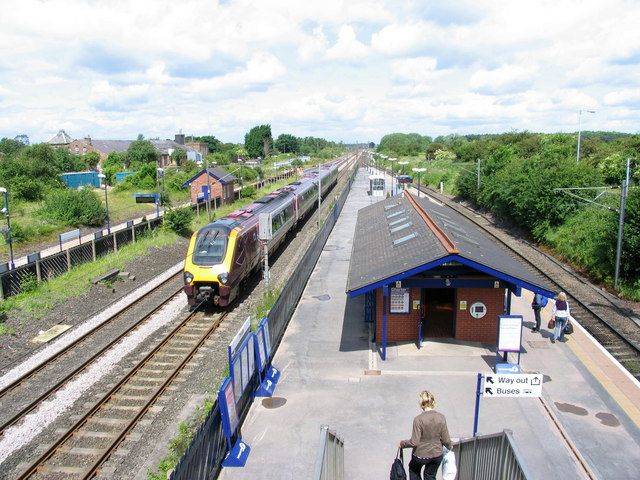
x=586 y=424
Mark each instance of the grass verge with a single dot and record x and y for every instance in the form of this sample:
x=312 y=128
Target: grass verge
x=47 y=295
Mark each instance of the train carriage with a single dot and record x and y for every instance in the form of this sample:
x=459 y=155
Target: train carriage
x=224 y=253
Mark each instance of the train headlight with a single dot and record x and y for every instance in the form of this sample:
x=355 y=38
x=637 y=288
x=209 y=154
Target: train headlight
x=188 y=278
x=223 y=278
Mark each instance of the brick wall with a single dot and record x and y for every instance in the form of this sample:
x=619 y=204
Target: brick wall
x=483 y=329
x=400 y=326
x=216 y=189
x=404 y=327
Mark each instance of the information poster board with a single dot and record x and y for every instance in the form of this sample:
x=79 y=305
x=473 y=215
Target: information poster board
x=262 y=352
x=510 y=333
x=227 y=402
x=399 y=300
x=236 y=373
x=267 y=339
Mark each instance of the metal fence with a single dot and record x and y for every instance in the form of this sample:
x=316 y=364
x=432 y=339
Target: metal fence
x=490 y=457
x=330 y=458
x=42 y=269
x=203 y=458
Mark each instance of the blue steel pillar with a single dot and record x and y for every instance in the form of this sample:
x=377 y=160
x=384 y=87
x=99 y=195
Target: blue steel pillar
x=385 y=294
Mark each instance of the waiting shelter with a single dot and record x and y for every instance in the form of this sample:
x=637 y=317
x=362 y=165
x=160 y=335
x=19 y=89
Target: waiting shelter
x=427 y=271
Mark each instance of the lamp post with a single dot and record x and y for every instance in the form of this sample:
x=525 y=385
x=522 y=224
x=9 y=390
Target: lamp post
x=579 y=131
x=419 y=171
x=391 y=160
x=206 y=168
x=102 y=176
x=5 y=210
x=159 y=173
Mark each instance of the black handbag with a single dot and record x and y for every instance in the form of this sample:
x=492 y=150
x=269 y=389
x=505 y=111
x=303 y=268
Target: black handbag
x=568 y=330
x=397 y=468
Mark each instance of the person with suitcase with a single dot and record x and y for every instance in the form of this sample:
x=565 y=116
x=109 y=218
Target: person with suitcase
x=429 y=434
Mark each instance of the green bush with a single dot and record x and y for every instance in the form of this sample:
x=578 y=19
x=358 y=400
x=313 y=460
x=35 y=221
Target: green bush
x=179 y=220
x=588 y=239
x=249 y=192
x=73 y=208
x=28 y=283
x=21 y=233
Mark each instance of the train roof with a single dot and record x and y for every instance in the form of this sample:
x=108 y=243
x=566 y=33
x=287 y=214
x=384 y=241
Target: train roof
x=271 y=201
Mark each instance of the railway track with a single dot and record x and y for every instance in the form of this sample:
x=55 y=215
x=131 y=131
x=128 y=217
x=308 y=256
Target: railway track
x=613 y=326
x=41 y=381
x=83 y=449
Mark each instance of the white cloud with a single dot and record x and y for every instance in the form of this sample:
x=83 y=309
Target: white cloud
x=347 y=47
x=336 y=68
x=105 y=96
x=261 y=69
x=417 y=69
x=623 y=97
x=397 y=39
x=505 y=79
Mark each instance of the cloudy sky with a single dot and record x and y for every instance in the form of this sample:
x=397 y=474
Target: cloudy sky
x=349 y=70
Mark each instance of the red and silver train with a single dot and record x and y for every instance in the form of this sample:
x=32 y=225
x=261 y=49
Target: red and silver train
x=226 y=252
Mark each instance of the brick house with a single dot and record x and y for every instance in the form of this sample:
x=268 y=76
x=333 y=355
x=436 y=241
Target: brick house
x=427 y=272
x=221 y=184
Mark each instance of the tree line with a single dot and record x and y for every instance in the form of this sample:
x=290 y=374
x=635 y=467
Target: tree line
x=519 y=173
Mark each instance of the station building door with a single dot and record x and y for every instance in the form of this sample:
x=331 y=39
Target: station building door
x=438 y=312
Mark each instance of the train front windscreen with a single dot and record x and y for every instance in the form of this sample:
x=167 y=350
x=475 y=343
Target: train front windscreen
x=210 y=247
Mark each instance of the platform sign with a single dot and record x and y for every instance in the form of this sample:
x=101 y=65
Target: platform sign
x=510 y=333
x=238 y=451
x=240 y=367
x=269 y=375
x=399 y=300
x=513 y=385
x=146 y=197
x=261 y=352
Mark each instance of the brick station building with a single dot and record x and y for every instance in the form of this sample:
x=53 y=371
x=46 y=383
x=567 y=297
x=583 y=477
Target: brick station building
x=426 y=271
x=220 y=182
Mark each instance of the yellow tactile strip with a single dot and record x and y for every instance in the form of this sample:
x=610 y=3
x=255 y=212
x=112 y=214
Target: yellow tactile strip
x=616 y=382
x=621 y=388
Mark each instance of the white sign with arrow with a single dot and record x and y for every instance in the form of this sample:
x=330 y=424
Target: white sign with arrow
x=513 y=385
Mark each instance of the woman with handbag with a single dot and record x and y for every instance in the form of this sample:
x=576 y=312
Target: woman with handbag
x=429 y=434
x=561 y=315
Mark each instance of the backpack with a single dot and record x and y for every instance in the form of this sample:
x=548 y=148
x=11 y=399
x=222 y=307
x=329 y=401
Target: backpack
x=397 y=468
x=539 y=304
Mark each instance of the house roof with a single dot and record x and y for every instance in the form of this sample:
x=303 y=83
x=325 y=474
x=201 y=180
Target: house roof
x=215 y=173
x=108 y=146
x=403 y=236
x=62 y=138
x=165 y=145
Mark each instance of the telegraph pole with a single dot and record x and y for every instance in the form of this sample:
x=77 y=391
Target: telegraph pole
x=319 y=193
x=623 y=203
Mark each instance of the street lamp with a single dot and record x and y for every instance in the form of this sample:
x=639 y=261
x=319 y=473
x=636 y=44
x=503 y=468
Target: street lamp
x=102 y=176
x=579 y=131
x=419 y=171
x=5 y=210
x=391 y=160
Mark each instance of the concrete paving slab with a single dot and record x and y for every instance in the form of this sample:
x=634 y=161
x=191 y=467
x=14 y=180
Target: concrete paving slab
x=325 y=358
